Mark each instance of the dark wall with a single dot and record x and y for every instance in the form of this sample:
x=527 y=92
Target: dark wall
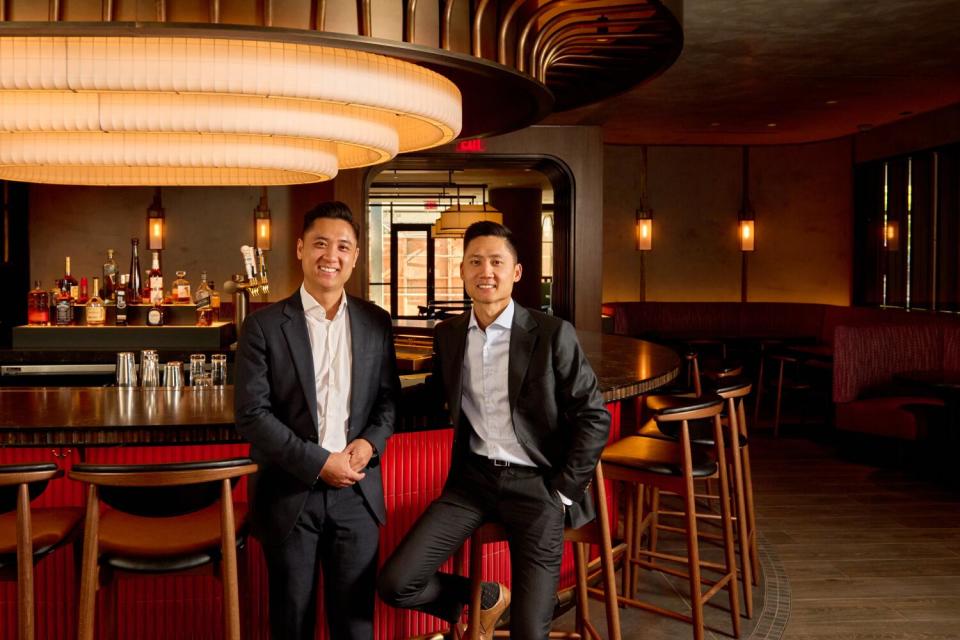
x=521 y=214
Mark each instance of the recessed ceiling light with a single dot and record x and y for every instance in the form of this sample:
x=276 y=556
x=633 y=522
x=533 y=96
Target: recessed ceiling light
x=831 y=102
x=714 y=124
x=771 y=124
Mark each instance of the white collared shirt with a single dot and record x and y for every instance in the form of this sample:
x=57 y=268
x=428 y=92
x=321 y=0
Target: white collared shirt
x=485 y=396
x=332 y=364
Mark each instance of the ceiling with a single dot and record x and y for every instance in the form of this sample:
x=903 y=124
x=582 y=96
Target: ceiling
x=789 y=71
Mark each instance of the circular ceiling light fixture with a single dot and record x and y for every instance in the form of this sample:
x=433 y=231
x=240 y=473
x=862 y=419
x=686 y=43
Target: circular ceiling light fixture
x=193 y=110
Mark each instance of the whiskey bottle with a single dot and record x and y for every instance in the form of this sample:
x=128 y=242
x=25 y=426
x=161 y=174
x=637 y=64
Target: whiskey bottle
x=64 y=314
x=121 y=295
x=156 y=281
x=155 y=316
x=109 y=277
x=69 y=283
x=38 y=306
x=96 y=313
x=214 y=301
x=134 y=284
x=181 y=289
x=201 y=298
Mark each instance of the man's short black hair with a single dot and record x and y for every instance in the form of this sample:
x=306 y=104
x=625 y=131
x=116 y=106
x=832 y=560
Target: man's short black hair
x=332 y=209
x=487 y=228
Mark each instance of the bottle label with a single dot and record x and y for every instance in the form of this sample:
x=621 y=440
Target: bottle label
x=64 y=312
x=183 y=292
x=156 y=290
x=74 y=291
x=96 y=315
x=155 y=317
x=203 y=300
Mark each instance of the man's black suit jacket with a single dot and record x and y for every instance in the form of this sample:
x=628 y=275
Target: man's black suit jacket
x=558 y=413
x=276 y=407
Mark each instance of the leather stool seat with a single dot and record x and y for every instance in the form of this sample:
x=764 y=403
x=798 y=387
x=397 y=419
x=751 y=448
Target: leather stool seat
x=49 y=527
x=657 y=455
x=722 y=386
x=701 y=432
x=674 y=404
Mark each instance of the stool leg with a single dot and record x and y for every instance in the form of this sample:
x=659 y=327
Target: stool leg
x=476 y=590
x=24 y=565
x=629 y=535
x=693 y=549
x=88 y=578
x=228 y=540
x=751 y=523
x=652 y=531
x=583 y=602
x=606 y=556
x=756 y=404
x=743 y=531
x=731 y=561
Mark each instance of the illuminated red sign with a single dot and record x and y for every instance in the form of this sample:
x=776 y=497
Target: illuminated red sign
x=471 y=146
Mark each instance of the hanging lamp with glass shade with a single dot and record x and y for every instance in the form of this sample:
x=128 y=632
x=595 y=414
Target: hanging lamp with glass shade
x=453 y=222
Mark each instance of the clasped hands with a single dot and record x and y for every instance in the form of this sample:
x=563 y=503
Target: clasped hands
x=344 y=468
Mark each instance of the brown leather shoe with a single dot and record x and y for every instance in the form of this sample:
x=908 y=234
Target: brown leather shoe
x=489 y=618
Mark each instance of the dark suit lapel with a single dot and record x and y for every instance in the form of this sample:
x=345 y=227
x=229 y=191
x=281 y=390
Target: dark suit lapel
x=298 y=341
x=360 y=335
x=456 y=345
x=523 y=339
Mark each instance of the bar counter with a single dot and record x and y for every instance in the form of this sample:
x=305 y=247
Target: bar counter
x=101 y=416
x=69 y=424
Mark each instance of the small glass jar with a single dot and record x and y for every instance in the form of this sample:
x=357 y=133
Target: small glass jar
x=181 y=289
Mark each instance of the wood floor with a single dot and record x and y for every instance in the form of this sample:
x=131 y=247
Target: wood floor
x=870 y=552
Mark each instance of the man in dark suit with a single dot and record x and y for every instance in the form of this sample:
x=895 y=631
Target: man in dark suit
x=529 y=427
x=316 y=391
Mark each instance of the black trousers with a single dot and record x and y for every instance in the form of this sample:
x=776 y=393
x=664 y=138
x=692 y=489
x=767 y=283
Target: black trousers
x=337 y=529
x=477 y=492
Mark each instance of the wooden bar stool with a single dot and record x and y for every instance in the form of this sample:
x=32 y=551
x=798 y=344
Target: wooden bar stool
x=596 y=532
x=672 y=466
x=27 y=535
x=734 y=392
x=164 y=519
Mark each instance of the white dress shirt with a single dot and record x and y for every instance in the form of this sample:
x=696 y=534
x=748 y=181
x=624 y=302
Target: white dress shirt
x=332 y=364
x=485 y=397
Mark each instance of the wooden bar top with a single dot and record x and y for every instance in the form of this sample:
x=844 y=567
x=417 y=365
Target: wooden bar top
x=74 y=416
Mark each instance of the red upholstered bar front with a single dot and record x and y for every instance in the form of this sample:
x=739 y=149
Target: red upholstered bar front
x=189 y=606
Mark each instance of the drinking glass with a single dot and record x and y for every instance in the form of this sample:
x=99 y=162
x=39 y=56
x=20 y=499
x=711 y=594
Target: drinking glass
x=173 y=374
x=218 y=369
x=126 y=369
x=198 y=362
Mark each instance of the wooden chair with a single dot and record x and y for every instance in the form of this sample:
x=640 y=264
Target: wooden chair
x=163 y=519
x=596 y=532
x=28 y=535
x=665 y=464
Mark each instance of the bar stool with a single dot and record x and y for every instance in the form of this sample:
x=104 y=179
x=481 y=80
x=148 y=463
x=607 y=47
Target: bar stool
x=164 y=519
x=27 y=535
x=595 y=532
x=672 y=466
x=734 y=392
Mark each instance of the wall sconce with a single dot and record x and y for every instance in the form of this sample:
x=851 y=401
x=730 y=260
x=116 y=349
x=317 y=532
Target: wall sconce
x=747 y=235
x=155 y=223
x=644 y=230
x=262 y=224
x=891 y=235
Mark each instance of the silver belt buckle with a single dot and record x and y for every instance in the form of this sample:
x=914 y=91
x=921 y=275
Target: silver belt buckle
x=500 y=463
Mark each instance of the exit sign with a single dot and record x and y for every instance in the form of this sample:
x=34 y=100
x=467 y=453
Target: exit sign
x=471 y=146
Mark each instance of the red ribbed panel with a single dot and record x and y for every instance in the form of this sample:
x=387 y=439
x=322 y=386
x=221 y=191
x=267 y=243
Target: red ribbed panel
x=190 y=606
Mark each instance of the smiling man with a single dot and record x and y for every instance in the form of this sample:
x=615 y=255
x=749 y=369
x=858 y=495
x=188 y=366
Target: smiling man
x=529 y=427
x=316 y=391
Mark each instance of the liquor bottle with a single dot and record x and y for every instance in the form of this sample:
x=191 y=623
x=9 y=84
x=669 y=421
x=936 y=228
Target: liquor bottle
x=109 y=277
x=38 y=306
x=64 y=316
x=69 y=283
x=156 y=281
x=214 y=301
x=84 y=295
x=181 y=289
x=202 y=299
x=121 y=293
x=155 y=315
x=96 y=313
x=134 y=285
